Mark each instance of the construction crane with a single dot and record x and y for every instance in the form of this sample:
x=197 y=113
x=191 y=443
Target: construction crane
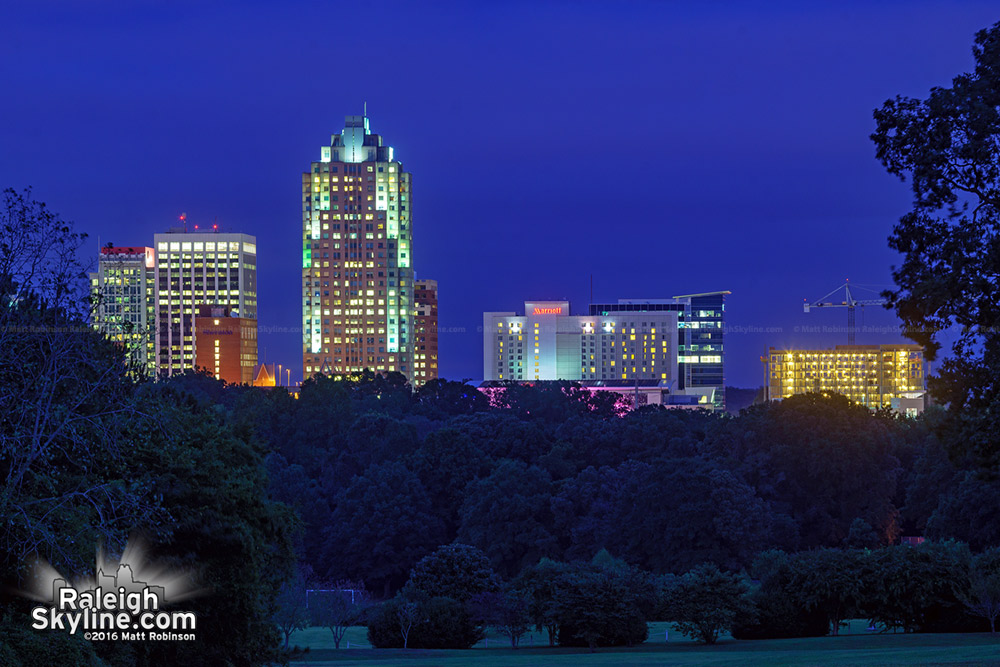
x=848 y=302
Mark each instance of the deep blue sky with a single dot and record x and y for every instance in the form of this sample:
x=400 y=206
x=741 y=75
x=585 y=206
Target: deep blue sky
x=663 y=147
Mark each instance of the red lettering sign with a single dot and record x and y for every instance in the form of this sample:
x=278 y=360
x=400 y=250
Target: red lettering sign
x=549 y=311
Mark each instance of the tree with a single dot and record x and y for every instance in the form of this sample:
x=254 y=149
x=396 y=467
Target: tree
x=407 y=613
x=913 y=588
x=706 y=601
x=931 y=477
x=437 y=622
x=456 y=571
x=440 y=397
x=506 y=515
x=291 y=610
x=967 y=512
x=38 y=259
x=949 y=146
x=702 y=512
x=380 y=527
x=861 y=535
x=540 y=583
x=822 y=461
x=506 y=611
x=983 y=596
x=210 y=473
x=337 y=607
x=778 y=610
x=447 y=460
x=828 y=580
x=595 y=607
x=69 y=418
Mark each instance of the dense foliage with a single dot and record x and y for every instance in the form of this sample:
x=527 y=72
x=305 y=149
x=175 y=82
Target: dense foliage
x=948 y=145
x=382 y=477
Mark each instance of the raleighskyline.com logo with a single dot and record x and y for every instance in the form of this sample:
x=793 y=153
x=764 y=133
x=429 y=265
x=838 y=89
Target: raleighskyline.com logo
x=115 y=607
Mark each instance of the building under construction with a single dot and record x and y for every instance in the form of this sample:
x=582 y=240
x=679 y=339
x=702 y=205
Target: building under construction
x=876 y=376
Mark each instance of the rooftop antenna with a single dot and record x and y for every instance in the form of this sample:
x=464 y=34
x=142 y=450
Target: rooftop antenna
x=365 y=113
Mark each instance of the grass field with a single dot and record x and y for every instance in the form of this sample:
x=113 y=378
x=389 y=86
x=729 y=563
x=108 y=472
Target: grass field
x=855 y=647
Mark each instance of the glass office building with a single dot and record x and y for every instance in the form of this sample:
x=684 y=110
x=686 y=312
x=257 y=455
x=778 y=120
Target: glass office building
x=194 y=269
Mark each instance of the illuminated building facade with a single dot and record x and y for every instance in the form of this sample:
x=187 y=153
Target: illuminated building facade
x=425 y=325
x=701 y=352
x=875 y=376
x=225 y=346
x=197 y=269
x=124 y=292
x=613 y=346
x=266 y=376
x=674 y=343
x=357 y=257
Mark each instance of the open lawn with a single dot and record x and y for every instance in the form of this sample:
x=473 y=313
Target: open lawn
x=855 y=647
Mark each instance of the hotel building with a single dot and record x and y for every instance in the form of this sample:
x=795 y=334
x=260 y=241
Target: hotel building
x=124 y=307
x=876 y=376
x=194 y=270
x=425 y=325
x=357 y=257
x=673 y=344
x=700 y=338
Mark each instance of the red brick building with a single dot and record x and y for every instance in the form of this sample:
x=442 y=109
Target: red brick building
x=225 y=346
x=425 y=332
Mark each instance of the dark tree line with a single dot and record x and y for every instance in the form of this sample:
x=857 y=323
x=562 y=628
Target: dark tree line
x=454 y=594
x=382 y=476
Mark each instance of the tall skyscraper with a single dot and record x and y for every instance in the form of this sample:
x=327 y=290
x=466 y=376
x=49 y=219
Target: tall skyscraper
x=425 y=339
x=357 y=268
x=124 y=289
x=196 y=269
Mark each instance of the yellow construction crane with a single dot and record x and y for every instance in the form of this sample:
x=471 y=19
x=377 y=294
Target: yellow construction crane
x=848 y=302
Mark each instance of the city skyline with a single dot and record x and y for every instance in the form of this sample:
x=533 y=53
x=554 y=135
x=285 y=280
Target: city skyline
x=745 y=137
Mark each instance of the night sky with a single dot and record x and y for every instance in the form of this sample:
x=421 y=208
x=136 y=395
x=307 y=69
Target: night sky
x=663 y=148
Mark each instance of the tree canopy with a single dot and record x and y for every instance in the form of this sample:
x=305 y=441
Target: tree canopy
x=948 y=145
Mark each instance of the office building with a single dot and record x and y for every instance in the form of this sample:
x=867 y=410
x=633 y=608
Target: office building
x=425 y=328
x=357 y=257
x=124 y=306
x=876 y=376
x=195 y=269
x=225 y=345
x=701 y=350
x=674 y=345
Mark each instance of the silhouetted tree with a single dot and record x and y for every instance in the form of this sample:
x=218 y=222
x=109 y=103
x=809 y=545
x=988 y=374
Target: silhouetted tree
x=948 y=145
